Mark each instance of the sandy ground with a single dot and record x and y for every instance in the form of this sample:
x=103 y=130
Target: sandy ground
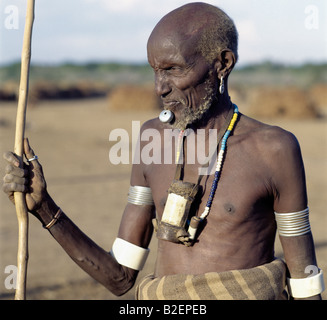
x=71 y=139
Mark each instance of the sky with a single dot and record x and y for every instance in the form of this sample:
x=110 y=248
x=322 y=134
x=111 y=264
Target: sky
x=78 y=31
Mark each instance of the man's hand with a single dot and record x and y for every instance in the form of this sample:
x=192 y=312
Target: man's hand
x=29 y=179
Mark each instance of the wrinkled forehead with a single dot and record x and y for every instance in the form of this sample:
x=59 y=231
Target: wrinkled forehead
x=167 y=37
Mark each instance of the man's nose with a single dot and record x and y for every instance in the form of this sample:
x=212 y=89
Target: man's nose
x=162 y=87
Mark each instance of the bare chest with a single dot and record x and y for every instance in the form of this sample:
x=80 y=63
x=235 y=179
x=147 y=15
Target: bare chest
x=243 y=187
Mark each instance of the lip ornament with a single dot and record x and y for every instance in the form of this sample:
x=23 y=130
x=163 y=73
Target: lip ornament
x=166 y=116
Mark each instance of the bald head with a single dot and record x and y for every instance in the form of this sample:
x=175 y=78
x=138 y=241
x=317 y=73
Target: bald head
x=205 y=28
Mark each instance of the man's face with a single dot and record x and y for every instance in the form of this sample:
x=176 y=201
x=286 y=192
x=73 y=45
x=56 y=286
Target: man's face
x=184 y=81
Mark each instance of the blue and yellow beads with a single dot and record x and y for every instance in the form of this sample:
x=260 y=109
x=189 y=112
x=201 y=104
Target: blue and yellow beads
x=219 y=163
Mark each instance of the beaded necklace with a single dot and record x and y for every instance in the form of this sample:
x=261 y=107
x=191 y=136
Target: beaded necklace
x=179 y=145
x=188 y=237
x=196 y=220
x=219 y=163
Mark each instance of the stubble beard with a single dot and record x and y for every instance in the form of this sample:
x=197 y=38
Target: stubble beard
x=192 y=116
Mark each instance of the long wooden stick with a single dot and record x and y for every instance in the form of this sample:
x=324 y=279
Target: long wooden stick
x=21 y=209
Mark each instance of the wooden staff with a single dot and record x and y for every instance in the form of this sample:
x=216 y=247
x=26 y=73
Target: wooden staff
x=21 y=209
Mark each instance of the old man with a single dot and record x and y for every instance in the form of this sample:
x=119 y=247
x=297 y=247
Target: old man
x=216 y=231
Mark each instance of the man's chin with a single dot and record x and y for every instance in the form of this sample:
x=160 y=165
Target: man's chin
x=189 y=119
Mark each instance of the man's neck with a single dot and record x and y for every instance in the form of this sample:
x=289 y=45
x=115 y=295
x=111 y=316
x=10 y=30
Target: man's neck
x=216 y=116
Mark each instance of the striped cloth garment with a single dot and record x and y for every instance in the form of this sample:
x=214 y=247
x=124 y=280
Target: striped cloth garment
x=266 y=282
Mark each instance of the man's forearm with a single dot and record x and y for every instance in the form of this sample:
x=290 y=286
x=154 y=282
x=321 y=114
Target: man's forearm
x=299 y=253
x=300 y=257
x=98 y=263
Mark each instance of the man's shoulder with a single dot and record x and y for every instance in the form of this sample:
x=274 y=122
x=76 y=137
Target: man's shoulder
x=269 y=137
x=152 y=124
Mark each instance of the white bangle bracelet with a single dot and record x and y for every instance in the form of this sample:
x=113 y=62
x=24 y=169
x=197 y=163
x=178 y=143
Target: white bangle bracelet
x=306 y=287
x=128 y=254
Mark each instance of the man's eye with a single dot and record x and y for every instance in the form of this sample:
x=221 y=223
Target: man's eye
x=173 y=68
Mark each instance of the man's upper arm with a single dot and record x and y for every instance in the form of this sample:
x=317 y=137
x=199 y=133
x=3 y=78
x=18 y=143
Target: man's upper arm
x=288 y=174
x=291 y=197
x=136 y=224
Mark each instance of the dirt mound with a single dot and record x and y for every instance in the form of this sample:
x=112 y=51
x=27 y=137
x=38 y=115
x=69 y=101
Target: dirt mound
x=49 y=91
x=9 y=91
x=286 y=102
x=133 y=97
x=318 y=95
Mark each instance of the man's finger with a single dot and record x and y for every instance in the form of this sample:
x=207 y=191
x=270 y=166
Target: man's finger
x=10 y=157
x=14 y=187
x=10 y=178
x=10 y=169
x=30 y=155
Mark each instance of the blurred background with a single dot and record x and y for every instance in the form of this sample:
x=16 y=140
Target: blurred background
x=89 y=75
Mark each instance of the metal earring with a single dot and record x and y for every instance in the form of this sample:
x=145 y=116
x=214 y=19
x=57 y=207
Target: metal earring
x=222 y=85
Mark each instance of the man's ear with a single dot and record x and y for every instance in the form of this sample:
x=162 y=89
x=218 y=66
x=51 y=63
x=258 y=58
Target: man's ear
x=225 y=63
